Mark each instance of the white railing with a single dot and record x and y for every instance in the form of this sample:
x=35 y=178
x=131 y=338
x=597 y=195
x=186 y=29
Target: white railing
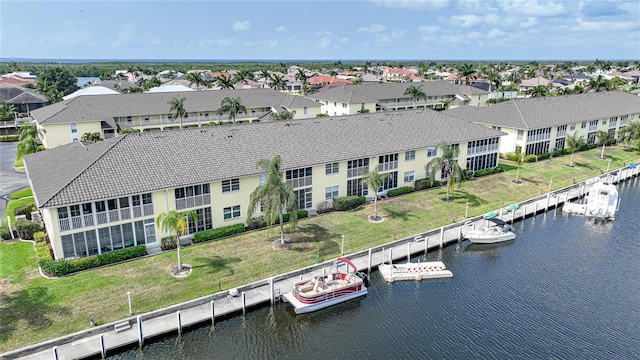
x=482 y=149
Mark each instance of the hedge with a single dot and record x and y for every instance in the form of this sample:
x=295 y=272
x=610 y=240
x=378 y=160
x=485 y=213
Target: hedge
x=26 y=229
x=484 y=172
x=349 y=202
x=39 y=236
x=168 y=243
x=218 y=233
x=25 y=210
x=258 y=221
x=399 y=191
x=422 y=184
x=62 y=267
x=8 y=138
x=530 y=158
x=5 y=234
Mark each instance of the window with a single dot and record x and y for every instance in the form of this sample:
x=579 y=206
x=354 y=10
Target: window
x=573 y=126
x=584 y=125
x=356 y=187
x=129 y=119
x=192 y=196
x=304 y=197
x=357 y=167
x=409 y=176
x=146 y=118
x=344 y=105
x=230 y=185
x=204 y=221
x=410 y=155
x=299 y=177
x=332 y=168
x=520 y=135
x=74 y=132
x=232 y=212
x=388 y=162
x=432 y=151
x=331 y=192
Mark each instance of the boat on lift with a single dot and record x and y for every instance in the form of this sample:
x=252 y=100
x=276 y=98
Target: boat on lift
x=601 y=202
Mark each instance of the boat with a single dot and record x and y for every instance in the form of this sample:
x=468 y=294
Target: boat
x=601 y=202
x=323 y=291
x=414 y=271
x=494 y=231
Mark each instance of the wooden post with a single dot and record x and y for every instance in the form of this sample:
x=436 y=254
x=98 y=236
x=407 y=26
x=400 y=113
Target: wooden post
x=140 y=337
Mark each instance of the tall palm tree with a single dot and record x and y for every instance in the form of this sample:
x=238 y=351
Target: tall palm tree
x=539 y=91
x=276 y=196
x=604 y=137
x=493 y=76
x=300 y=75
x=175 y=222
x=233 y=106
x=8 y=111
x=285 y=115
x=574 y=142
x=223 y=82
x=447 y=161
x=176 y=108
x=29 y=139
x=446 y=103
x=599 y=84
x=519 y=158
x=195 y=78
x=467 y=71
x=630 y=135
x=415 y=93
x=375 y=180
x=277 y=82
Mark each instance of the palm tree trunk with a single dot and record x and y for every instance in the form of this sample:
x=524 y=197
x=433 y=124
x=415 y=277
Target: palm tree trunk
x=375 y=206
x=448 y=186
x=179 y=257
x=571 y=160
x=281 y=228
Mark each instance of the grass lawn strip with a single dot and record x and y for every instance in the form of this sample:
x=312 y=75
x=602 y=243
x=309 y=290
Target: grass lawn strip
x=35 y=309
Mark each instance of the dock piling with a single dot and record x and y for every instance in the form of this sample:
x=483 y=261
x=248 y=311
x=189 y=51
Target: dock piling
x=55 y=353
x=213 y=315
x=140 y=337
x=272 y=291
x=179 y=318
x=369 y=257
x=103 y=350
x=244 y=303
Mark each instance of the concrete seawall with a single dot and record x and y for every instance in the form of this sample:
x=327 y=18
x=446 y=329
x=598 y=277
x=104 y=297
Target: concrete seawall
x=136 y=330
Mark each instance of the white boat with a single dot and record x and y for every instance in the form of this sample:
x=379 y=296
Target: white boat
x=494 y=231
x=326 y=290
x=414 y=271
x=601 y=202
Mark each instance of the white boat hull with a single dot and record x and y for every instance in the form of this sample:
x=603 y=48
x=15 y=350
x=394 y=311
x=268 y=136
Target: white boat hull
x=414 y=271
x=489 y=236
x=301 y=308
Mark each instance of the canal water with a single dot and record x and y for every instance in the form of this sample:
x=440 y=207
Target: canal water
x=566 y=288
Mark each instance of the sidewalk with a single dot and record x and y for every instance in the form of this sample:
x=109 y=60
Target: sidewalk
x=138 y=329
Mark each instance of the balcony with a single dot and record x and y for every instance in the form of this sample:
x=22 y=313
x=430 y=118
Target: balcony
x=189 y=120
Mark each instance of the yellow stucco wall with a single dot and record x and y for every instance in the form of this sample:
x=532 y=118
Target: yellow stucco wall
x=60 y=134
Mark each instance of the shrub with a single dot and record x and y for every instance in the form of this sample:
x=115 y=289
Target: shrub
x=301 y=215
x=256 y=223
x=26 y=229
x=8 y=138
x=349 y=202
x=218 y=233
x=54 y=267
x=512 y=156
x=62 y=267
x=168 y=243
x=544 y=156
x=43 y=252
x=5 y=234
x=25 y=210
x=422 y=184
x=399 y=191
x=530 y=158
x=39 y=236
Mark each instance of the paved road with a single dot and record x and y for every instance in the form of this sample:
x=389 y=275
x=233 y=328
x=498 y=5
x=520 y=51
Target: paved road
x=10 y=180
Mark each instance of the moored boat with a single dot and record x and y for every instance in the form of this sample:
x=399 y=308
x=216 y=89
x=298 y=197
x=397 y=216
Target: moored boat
x=414 y=271
x=333 y=288
x=601 y=202
x=494 y=231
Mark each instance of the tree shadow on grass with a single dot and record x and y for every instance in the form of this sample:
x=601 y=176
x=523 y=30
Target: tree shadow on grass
x=508 y=167
x=31 y=307
x=526 y=179
x=310 y=234
x=460 y=196
x=397 y=212
x=590 y=167
x=217 y=264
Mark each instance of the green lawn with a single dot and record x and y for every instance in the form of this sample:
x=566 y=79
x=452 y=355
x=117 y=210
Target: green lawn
x=35 y=309
x=21 y=193
x=14 y=203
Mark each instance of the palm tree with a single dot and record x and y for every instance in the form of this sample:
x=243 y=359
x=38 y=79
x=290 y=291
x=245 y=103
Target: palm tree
x=375 y=180
x=604 y=137
x=176 y=223
x=91 y=137
x=415 y=93
x=573 y=143
x=493 y=76
x=446 y=103
x=519 y=158
x=467 y=71
x=176 y=108
x=599 y=84
x=8 y=111
x=277 y=82
x=194 y=78
x=276 y=196
x=300 y=75
x=224 y=82
x=448 y=163
x=285 y=115
x=539 y=91
x=630 y=135
x=233 y=107
x=29 y=139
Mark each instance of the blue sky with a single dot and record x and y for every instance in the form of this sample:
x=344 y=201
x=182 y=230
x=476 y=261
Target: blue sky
x=323 y=30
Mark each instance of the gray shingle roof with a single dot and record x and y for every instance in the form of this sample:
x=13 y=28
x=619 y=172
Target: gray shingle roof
x=106 y=107
x=535 y=113
x=150 y=161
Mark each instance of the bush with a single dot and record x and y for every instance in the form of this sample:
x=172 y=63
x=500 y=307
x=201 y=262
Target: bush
x=422 y=184
x=218 y=233
x=62 y=267
x=39 y=236
x=530 y=158
x=43 y=252
x=544 y=156
x=512 y=156
x=399 y=191
x=25 y=210
x=26 y=229
x=8 y=138
x=301 y=215
x=486 y=172
x=5 y=234
x=349 y=202
x=256 y=223
x=168 y=243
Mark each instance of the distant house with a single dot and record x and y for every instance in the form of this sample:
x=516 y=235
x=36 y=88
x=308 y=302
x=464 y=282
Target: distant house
x=18 y=78
x=170 y=88
x=398 y=75
x=529 y=84
x=24 y=99
x=91 y=90
x=66 y=121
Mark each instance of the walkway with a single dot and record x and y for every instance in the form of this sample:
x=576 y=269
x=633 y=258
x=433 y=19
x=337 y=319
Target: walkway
x=138 y=329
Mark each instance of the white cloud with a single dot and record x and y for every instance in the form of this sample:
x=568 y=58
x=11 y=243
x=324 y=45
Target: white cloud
x=241 y=26
x=281 y=28
x=326 y=40
x=389 y=38
x=126 y=34
x=426 y=29
x=530 y=22
x=374 y=28
x=414 y=4
x=602 y=25
x=203 y=43
x=474 y=20
x=533 y=8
